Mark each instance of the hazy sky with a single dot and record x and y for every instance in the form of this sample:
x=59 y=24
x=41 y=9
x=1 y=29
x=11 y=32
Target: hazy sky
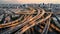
x=29 y=1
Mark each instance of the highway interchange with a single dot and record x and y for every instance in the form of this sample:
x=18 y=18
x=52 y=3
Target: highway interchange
x=33 y=19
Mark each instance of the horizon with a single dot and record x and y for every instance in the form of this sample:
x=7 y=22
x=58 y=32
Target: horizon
x=28 y=1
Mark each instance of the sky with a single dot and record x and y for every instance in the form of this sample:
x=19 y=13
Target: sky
x=29 y=1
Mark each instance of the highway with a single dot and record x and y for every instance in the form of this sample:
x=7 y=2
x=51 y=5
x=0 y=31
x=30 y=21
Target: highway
x=37 y=19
